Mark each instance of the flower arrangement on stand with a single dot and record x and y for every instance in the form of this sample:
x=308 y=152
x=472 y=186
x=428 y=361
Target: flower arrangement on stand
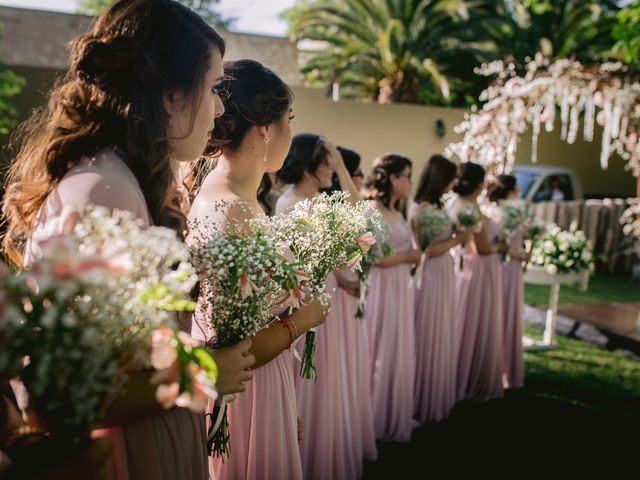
x=561 y=251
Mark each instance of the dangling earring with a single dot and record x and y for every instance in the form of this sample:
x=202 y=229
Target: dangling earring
x=266 y=148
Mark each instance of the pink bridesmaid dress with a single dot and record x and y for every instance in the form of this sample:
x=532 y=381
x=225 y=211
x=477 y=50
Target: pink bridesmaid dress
x=436 y=354
x=356 y=375
x=262 y=420
x=512 y=310
x=172 y=444
x=263 y=427
x=327 y=450
x=390 y=319
x=513 y=306
x=479 y=326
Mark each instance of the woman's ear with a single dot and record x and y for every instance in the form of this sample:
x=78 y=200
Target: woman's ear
x=173 y=102
x=263 y=131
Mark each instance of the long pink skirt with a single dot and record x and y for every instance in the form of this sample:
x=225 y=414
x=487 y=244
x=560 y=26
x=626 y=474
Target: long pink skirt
x=479 y=328
x=436 y=354
x=513 y=293
x=390 y=318
x=263 y=427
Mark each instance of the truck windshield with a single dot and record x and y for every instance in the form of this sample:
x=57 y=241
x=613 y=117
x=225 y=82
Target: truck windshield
x=525 y=181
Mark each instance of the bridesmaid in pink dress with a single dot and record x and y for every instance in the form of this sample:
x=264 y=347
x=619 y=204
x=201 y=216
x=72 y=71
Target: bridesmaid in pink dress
x=436 y=353
x=328 y=449
x=356 y=374
x=390 y=307
x=505 y=187
x=111 y=136
x=478 y=312
x=251 y=139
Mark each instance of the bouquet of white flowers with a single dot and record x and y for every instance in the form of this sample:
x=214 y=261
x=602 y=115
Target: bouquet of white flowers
x=378 y=233
x=324 y=233
x=244 y=277
x=85 y=313
x=432 y=223
x=563 y=251
x=513 y=215
x=467 y=218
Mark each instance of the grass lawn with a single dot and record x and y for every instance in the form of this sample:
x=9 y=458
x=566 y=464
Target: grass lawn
x=602 y=289
x=579 y=412
x=584 y=375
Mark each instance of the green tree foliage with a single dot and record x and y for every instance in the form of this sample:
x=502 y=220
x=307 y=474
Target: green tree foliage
x=425 y=51
x=387 y=50
x=10 y=85
x=557 y=28
x=627 y=34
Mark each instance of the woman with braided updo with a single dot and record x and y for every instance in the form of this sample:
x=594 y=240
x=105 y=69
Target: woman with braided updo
x=140 y=97
x=389 y=311
x=252 y=139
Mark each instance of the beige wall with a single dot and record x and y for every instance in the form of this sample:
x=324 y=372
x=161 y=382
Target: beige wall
x=373 y=129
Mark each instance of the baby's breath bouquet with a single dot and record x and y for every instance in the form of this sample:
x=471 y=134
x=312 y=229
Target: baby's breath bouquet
x=432 y=223
x=513 y=215
x=379 y=231
x=85 y=312
x=243 y=279
x=467 y=218
x=324 y=233
x=561 y=251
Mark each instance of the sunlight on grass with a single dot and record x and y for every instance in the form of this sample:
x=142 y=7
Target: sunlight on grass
x=602 y=289
x=583 y=374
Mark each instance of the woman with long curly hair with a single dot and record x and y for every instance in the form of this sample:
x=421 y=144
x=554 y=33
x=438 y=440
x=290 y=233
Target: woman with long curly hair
x=140 y=97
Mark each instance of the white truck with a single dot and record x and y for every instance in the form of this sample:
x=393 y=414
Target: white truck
x=540 y=183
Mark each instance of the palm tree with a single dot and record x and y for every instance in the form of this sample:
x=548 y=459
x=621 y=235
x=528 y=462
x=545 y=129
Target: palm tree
x=387 y=50
x=557 y=28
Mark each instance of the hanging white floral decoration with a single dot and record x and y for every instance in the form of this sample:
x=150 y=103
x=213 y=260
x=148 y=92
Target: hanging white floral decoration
x=602 y=94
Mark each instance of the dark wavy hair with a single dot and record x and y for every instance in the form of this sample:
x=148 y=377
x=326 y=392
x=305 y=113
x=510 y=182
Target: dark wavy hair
x=380 y=180
x=351 y=160
x=120 y=70
x=252 y=95
x=501 y=186
x=437 y=174
x=306 y=154
x=471 y=177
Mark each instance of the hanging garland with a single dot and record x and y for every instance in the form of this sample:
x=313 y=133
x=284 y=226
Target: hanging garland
x=602 y=94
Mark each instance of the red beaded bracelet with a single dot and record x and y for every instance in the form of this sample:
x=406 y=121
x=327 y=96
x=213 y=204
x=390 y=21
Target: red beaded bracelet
x=285 y=324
